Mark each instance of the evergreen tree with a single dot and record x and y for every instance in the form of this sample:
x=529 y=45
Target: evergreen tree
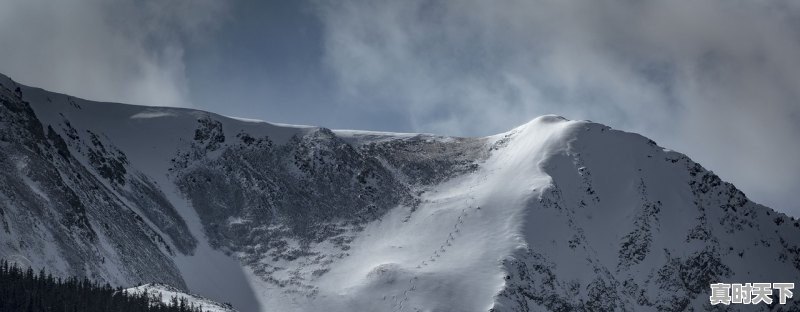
x=24 y=291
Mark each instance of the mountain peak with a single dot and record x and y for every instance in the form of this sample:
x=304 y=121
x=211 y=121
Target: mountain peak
x=550 y=118
x=553 y=215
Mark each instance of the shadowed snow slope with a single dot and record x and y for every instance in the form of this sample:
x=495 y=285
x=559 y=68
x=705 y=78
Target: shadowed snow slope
x=554 y=215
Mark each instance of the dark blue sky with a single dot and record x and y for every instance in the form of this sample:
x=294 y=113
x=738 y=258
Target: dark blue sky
x=261 y=63
x=265 y=61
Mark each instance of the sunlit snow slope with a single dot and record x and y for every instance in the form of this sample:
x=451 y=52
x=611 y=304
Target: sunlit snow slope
x=554 y=215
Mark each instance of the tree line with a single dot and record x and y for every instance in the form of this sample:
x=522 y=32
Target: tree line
x=22 y=290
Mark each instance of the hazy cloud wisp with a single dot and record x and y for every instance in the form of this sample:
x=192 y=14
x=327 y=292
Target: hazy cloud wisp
x=120 y=51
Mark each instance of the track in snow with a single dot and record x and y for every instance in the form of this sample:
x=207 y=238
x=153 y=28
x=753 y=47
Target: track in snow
x=400 y=303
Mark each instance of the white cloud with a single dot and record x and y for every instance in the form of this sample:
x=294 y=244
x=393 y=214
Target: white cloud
x=121 y=51
x=718 y=80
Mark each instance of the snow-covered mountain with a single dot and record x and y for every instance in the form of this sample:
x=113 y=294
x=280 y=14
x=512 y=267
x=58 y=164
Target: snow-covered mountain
x=554 y=215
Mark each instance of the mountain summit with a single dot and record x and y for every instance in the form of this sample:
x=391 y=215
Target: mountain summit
x=554 y=215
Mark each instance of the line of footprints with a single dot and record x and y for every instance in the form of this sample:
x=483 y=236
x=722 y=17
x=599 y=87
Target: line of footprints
x=400 y=302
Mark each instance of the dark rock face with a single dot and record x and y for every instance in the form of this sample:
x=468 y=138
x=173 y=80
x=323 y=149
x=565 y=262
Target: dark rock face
x=53 y=207
x=209 y=134
x=264 y=201
x=110 y=164
x=427 y=161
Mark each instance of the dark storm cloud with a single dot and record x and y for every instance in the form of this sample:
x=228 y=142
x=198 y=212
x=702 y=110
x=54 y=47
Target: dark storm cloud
x=122 y=51
x=718 y=80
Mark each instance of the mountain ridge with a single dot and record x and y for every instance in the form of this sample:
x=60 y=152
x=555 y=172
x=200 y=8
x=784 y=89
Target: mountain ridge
x=302 y=218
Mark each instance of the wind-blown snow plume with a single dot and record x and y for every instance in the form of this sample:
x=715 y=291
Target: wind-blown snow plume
x=668 y=69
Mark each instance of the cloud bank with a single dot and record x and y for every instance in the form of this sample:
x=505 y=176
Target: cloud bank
x=120 y=51
x=718 y=80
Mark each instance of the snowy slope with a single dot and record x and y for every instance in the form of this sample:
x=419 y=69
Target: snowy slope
x=554 y=215
x=166 y=293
